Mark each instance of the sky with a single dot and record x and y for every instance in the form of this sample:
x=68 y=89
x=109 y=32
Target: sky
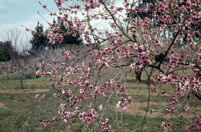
x=14 y=13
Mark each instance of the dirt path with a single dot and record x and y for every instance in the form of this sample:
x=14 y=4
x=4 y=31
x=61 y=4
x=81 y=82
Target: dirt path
x=1 y=105
x=14 y=91
x=136 y=109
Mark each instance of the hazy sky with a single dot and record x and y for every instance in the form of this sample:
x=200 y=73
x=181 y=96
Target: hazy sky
x=22 y=11
x=14 y=13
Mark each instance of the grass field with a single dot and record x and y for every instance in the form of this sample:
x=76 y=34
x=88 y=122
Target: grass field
x=21 y=112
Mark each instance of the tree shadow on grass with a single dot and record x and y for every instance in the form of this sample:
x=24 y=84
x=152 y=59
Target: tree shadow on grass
x=136 y=81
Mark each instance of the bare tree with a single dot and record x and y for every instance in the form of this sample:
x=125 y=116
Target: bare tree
x=17 y=46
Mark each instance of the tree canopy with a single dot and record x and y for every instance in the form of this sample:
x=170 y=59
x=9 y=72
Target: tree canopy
x=39 y=41
x=4 y=53
x=68 y=37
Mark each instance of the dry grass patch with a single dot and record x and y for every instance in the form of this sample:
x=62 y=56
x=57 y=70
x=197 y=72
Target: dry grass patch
x=1 y=105
x=14 y=91
x=138 y=89
x=136 y=109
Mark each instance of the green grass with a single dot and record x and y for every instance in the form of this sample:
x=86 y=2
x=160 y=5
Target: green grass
x=23 y=113
x=28 y=84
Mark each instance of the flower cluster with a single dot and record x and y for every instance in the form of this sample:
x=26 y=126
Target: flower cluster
x=162 y=36
x=194 y=126
x=166 y=126
x=89 y=117
x=105 y=127
x=123 y=103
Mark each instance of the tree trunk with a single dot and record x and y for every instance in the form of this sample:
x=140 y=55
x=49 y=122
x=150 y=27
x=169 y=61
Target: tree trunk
x=138 y=75
x=7 y=71
x=21 y=81
x=35 y=68
x=20 y=77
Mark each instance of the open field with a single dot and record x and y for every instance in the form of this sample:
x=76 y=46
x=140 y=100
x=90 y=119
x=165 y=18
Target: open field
x=21 y=112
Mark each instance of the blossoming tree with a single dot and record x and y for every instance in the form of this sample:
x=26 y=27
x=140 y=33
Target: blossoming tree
x=127 y=44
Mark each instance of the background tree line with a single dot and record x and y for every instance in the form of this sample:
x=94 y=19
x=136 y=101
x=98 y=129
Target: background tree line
x=39 y=41
x=17 y=52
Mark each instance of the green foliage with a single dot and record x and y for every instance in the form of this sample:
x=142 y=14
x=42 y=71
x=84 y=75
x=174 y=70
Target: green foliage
x=155 y=23
x=68 y=37
x=4 y=53
x=22 y=112
x=39 y=41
